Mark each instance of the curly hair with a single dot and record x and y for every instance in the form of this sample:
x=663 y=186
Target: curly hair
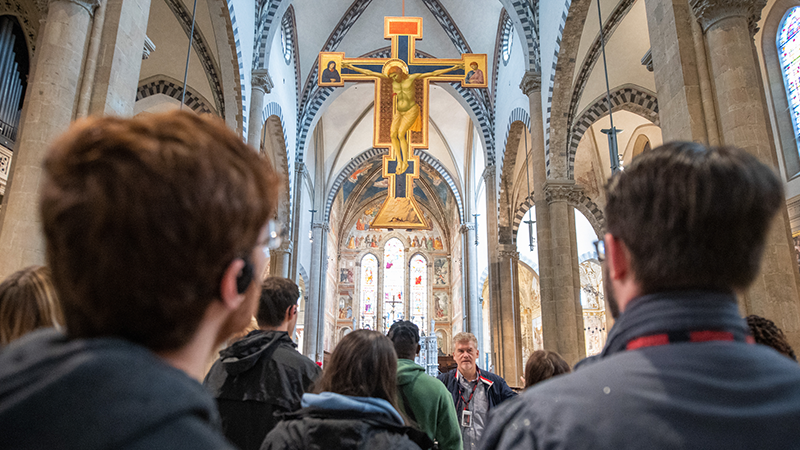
x=765 y=332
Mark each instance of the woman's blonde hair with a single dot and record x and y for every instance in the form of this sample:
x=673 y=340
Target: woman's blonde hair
x=28 y=301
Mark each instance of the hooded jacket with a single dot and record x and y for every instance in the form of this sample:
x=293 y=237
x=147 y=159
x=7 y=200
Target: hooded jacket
x=256 y=377
x=694 y=393
x=333 y=421
x=430 y=403
x=101 y=393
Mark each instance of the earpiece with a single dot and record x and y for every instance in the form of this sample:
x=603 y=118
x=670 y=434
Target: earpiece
x=245 y=277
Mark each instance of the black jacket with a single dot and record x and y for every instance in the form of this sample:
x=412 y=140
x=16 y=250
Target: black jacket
x=316 y=428
x=256 y=377
x=497 y=393
x=101 y=393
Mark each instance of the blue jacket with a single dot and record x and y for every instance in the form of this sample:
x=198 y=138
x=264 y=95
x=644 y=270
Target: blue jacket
x=497 y=393
x=682 y=395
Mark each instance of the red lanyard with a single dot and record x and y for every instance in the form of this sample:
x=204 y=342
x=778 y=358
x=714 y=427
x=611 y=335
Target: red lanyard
x=466 y=402
x=655 y=340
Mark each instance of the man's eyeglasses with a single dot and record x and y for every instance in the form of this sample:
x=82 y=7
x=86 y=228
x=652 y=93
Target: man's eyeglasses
x=600 y=249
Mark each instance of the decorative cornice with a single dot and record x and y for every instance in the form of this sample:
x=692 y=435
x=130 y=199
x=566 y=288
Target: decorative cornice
x=88 y=5
x=467 y=227
x=149 y=47
x=261 y=80
x=508 y=251
x=562 y=192
x=531 y=83
x=647 y=60
x=709 y=12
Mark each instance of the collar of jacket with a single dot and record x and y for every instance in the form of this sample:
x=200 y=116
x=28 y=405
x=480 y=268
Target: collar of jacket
x=667 y=312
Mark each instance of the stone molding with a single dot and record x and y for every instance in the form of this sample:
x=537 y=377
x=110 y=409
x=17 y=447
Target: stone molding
x=531 y=83
x=647 y=60
x=709 y=12
x=508 y=251
x=300 y=167
x=88 y=5
x=261 y=80
x=562 y=192
x=489 y=171
x=149 y=47
x=467 y=227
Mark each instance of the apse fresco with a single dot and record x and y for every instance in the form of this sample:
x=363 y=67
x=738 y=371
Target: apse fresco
x=439 y=185
x=362 y=237
x=357 y=176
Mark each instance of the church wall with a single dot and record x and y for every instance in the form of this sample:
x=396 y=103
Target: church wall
x=509 y=95
x=457 y=281
x=284 y=93
x=551 y=18
x=331 y=297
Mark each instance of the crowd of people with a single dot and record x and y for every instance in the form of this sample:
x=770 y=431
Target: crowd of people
x=108 y=346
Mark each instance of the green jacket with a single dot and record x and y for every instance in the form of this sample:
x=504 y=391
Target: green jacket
x=431 y=404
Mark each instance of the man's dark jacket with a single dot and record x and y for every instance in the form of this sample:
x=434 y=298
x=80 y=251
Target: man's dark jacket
x=100 y=393
x=256 y=377
x=497 y=393
x=707 y=395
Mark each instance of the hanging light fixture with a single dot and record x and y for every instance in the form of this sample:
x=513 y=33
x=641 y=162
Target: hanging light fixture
x=613 y=151
x=475 y=218
x=311 y=231
x=530 y=221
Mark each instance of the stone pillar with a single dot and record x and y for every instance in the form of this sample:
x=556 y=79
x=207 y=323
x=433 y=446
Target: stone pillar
x=675 y=71
x=508 y=320
x=50 y=102
x=299 y=174
x=261 y=86
x=279 y=260
x=316 y=294
x=562 y=314
x=729 y=27
x=471 y=268
x=119 y=58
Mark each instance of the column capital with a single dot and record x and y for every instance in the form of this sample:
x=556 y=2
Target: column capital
x=466 y=227
x=323 y=225
x=489 y=171
x=709 y=12
x=565 y=191
x=149 y=47
x=300 y=167
x=261 y=80
x=508 y=251
x=88 y=5
x=531 y=82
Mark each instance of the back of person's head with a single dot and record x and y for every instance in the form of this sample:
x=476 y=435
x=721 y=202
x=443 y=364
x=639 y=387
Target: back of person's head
x=542 y=365
x=363 y=364
x=143 y=216
x=27 y=301
x=277 y=295
x=765 y=332
x=692 y=216
x=404 y=335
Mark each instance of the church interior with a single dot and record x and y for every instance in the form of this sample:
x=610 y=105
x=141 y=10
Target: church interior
x=510 y=181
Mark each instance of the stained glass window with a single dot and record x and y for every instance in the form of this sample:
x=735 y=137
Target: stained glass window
x=419 y=292
x=789 y=53
x=369 y=290
x=393 y=281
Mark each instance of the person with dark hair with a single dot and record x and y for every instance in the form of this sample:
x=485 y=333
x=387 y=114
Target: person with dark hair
x=765 y=332
x=423 y=399
x=28 y=301
x=355 y=404
x=155 y=231
x=679 y=368
x=262 y=374
x=474 y=392
x=543 y=365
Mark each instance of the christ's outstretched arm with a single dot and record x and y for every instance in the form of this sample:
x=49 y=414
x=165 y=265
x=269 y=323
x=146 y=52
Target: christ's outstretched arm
x=347 y=65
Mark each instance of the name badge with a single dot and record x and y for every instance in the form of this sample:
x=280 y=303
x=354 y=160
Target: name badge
x=466 y=419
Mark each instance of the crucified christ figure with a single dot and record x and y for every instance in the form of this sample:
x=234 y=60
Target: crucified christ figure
x=406 y=111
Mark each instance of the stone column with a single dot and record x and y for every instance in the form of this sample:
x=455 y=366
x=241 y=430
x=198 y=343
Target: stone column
x=729 y=27
x=316 y=294
x=562 y=314
x=280 y=260
x=299 y=174
x=50 y=102
x=509 y=323
x=119 y=58
x=261 y=86
x=471 y=268
x=675 y=71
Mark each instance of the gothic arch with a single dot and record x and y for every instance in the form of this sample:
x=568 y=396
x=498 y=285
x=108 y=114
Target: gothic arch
x=578 y=201
x=162 y=84
x=518 y=123
x=273 y=146
x=628 y=97
x=525 y=16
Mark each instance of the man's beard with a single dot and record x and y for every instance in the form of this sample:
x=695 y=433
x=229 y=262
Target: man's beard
x=608 y=289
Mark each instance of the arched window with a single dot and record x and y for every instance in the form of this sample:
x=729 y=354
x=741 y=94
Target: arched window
x=507 y=40
x=393 y=281
x=287 y=41
x=419 y=292
x=369 y=291
x=789 y=54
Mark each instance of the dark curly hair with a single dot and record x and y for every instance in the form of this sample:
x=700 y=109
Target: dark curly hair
x=766 y=332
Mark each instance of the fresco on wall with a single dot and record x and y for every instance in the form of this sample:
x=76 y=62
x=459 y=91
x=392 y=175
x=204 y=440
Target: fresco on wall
x=441 y=305
x=796 y=239
x=362 y=237
x=441 y=271
x=357 y=176
x=437 y=182
x=345 y=305
x=346 y=276
x=442 y=341
x=593 y=303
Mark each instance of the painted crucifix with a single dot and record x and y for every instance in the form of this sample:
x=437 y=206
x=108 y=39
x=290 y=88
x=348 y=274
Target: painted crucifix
x=401 y=109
